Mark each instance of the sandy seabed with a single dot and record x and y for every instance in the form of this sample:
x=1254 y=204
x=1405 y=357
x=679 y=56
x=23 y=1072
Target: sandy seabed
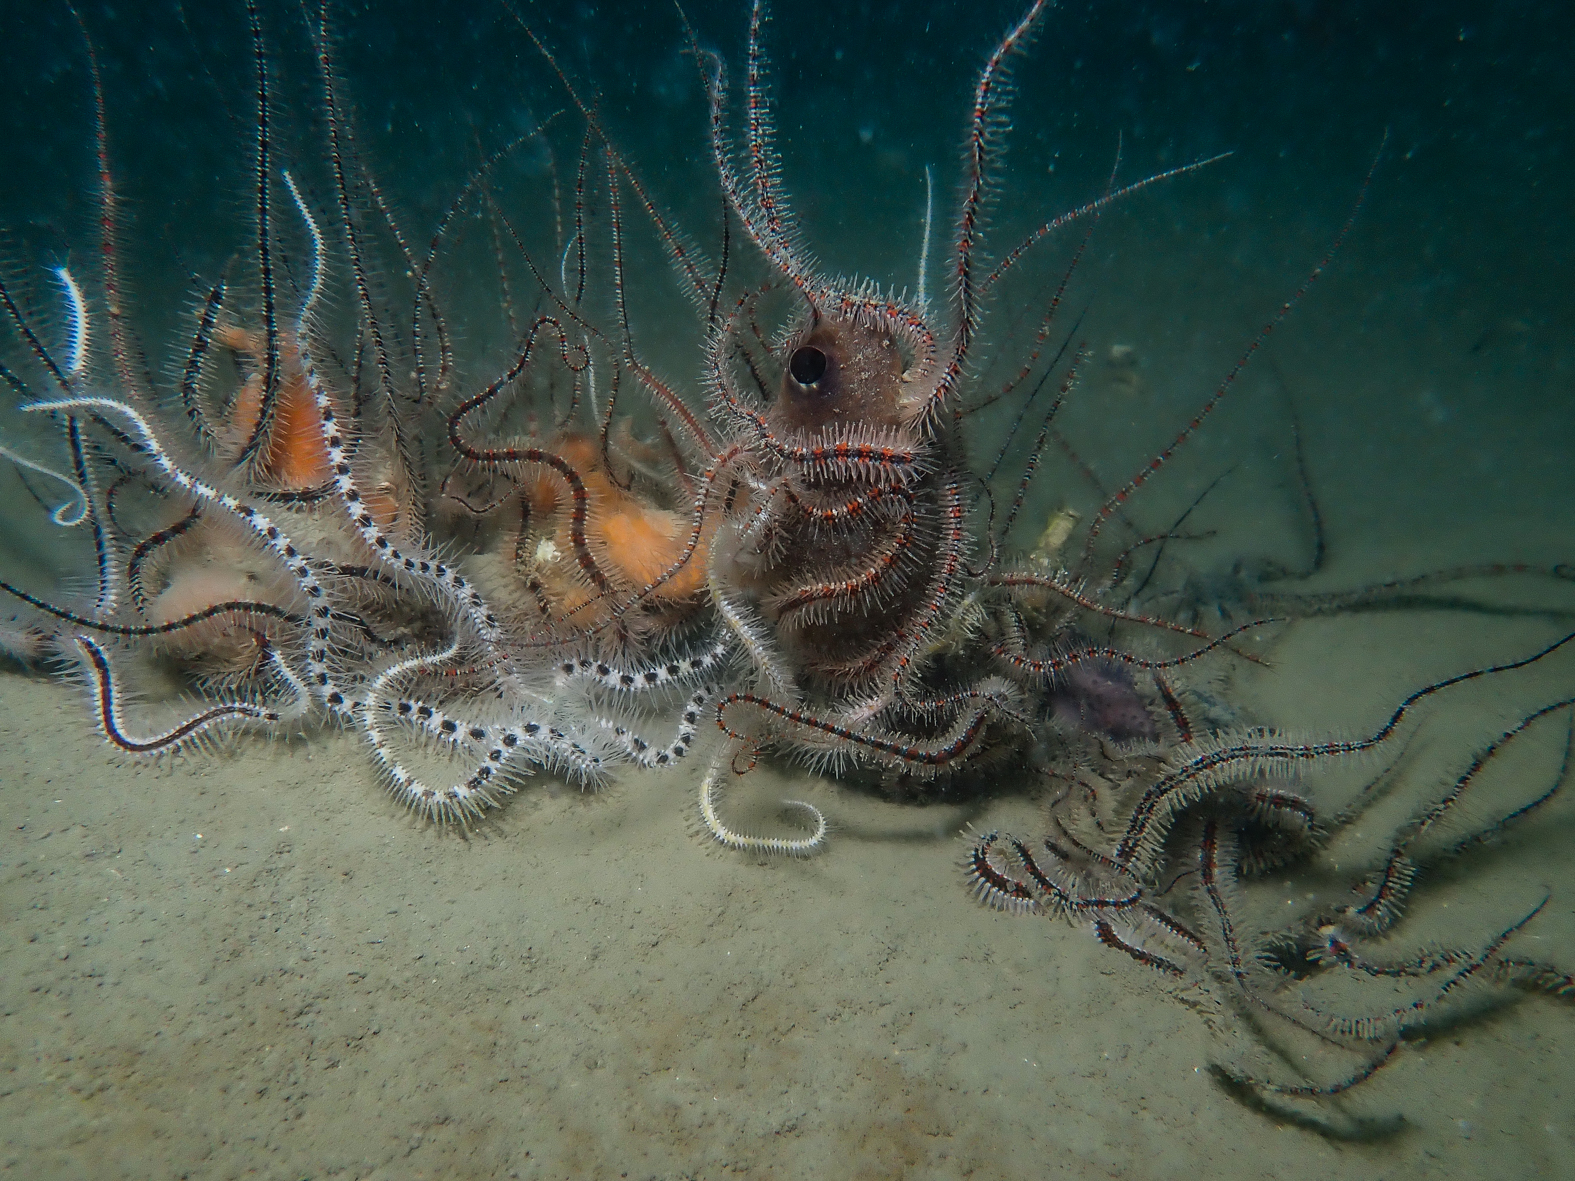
x=253 y=964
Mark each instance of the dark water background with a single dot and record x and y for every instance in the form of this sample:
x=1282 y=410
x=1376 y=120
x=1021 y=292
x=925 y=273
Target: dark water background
x=1462 y=245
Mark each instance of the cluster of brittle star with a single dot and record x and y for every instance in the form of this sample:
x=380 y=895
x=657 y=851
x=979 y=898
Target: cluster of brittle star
x=806 y=566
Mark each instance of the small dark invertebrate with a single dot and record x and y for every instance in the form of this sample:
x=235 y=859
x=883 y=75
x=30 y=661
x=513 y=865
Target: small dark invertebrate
x=1157 y=868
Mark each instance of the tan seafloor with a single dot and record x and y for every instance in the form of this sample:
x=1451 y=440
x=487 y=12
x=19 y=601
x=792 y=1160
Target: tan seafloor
x=253 y=964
